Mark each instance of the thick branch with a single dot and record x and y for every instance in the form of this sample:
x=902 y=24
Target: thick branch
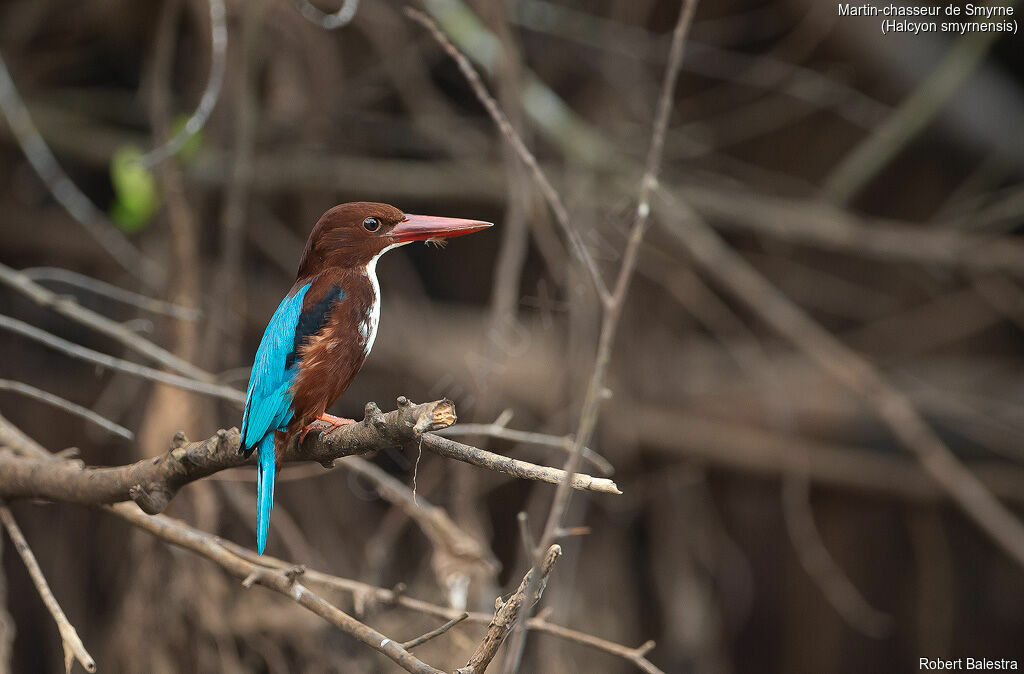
x=152 y=483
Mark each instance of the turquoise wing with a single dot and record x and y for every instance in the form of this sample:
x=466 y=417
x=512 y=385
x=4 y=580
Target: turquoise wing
x=268 y=399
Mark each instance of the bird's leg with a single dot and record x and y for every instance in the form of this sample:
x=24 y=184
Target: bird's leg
x=335 y=422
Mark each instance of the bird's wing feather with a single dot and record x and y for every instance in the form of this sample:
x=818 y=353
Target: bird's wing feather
x=269 y=397
x=312 y=320
x=267 y=400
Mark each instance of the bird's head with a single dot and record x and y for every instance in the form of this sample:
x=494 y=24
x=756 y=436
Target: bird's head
x=354 y=234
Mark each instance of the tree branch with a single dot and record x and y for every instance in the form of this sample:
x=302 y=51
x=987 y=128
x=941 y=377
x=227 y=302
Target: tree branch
x=74 y=649
x=506 y=613
x=64 y=190
x=846 y=366
x=283 y=582
x=71 y=309
x=434 y=633
x=515 y=467
x=119 y=364
x=551 y=195
x=218 y=63
x=66 y=405
x=365 y=593
x=152 y=483
x=153 y=305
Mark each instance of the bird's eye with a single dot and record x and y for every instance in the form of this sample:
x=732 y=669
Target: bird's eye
x=371 y=224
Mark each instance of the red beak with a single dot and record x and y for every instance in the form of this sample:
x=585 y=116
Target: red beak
x=423 y=227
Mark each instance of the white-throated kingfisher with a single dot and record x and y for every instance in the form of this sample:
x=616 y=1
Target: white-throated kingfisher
x=323 y=330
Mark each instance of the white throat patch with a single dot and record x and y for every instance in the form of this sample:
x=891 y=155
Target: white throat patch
x=368 y=326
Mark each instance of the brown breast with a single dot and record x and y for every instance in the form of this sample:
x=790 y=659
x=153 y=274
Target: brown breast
x=332 y=357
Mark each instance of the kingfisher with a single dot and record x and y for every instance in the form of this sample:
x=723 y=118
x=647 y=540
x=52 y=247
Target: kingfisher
x=323 y=330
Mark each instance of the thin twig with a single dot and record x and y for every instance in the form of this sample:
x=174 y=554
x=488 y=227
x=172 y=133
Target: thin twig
x=550 y=194
x=838 y=589
x=515 y=467
x=7 y=627
x=74 y=649
x=67 y=406
x=64 y=190
x=887 y=138
x=369 y=593
x=70 y=348
x=613 y=306
x=562 y=442
x=613 y=309
x=195 y=123
x=456 y=551
x=507 y=613
x=824 y=226
x=153 y=305
x=434 y=633
x=282 y=582
x=69 y=308
x=837 y=360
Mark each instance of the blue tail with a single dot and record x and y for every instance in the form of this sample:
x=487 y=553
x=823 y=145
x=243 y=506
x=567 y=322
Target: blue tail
x=264 y=489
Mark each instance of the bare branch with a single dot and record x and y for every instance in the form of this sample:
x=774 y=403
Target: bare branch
x=495 y=430
x=371 y=593
x=284 y=582
x=728 y=268
x=66 y=405
x=826 y=573
x=195 y=123
x=64 y=189
x=74 y=649
x=216 y=390
x=546 y=188
x=506 y=613
x=69 y=308
x=515 y=467
x=153 y=305
x=432 y=634
x=614 y=304
x=152 y=483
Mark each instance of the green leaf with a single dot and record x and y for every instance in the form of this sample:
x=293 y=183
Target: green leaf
x=136 y=198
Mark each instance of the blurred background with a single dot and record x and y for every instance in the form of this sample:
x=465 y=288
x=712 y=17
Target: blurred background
x=770 y=522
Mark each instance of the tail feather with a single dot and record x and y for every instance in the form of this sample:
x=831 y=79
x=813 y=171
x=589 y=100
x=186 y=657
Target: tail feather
x=265 y=489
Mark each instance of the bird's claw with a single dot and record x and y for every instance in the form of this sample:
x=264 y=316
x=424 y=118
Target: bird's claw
x=335 y=422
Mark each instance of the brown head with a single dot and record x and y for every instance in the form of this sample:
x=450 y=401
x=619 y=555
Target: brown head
x=352 y=235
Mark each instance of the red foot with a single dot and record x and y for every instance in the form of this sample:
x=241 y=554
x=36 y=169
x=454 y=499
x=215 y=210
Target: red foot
x=335 y=422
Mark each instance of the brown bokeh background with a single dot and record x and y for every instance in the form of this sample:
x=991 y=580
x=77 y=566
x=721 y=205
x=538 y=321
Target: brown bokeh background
x=769 y=522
